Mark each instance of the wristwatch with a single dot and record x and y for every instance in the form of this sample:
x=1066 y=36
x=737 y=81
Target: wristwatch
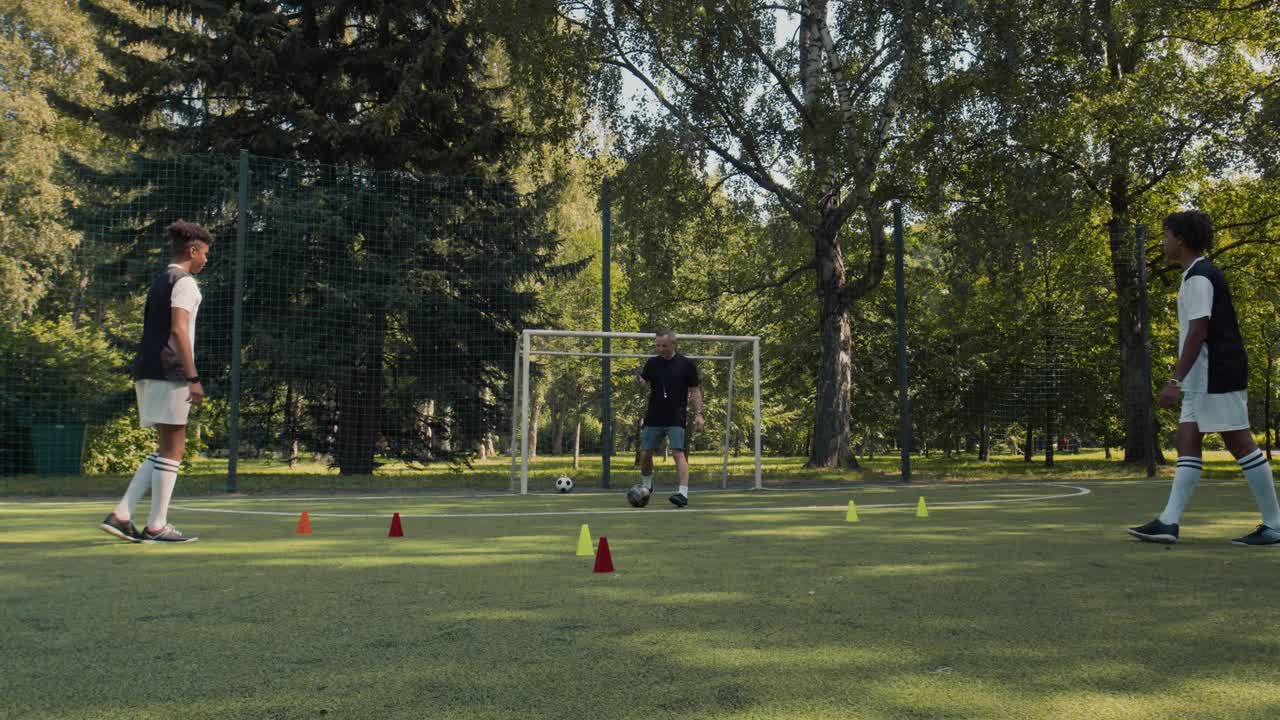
x=194 y=380
x=1176 y=383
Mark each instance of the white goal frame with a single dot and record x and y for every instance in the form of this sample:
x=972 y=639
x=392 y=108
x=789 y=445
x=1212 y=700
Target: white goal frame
x=520 y=391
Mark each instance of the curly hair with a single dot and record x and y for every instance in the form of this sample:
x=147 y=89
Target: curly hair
x=1193 y=227
x=183 y=234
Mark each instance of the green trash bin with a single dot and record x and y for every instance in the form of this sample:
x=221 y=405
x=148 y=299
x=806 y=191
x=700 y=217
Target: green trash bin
x=59 y=447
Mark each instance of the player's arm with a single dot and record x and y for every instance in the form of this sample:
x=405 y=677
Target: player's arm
x=180 y=341
x=1197 y=332
x=695 y=396
x=1197 y=292
x=643 y=376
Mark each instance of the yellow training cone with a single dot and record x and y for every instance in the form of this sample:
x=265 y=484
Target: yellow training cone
x=584 y=543
x=852 y=515
x=921 y=510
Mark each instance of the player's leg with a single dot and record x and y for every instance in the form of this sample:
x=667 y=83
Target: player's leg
x=1164 y=528
x=164 y=476
x=676 y=435
x=1187 y=473
x=650 y=440
x=1257 y=472
x=172 y=429
x=120 y=521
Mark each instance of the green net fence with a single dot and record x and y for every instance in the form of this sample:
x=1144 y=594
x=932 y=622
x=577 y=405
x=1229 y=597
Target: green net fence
x=353 y=321
x=357 y=330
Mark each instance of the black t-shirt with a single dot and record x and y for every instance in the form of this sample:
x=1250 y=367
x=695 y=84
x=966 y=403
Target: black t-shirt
x=669 y=383
x=1228 y=361
x=156 y=358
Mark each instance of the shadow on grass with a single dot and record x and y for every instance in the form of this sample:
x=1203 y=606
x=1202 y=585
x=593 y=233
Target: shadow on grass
x=494 y=475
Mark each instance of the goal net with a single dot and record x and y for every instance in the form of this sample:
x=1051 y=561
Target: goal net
x=565 y=380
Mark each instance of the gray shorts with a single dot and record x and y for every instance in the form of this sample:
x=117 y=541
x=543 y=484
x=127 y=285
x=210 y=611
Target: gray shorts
x=651 y=437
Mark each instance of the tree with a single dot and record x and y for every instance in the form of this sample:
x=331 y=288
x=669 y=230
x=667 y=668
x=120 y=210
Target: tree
x=45 y=46
x=1014 y=313
x=812 y=125
x=424 y=281
x=1131 y=98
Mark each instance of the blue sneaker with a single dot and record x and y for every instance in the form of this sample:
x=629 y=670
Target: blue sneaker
x=1156 y=532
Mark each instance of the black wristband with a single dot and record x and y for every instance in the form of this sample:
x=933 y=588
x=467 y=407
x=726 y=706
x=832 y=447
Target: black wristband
x=194 y=380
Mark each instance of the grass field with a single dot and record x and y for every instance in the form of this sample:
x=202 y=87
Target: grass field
x=763 y=604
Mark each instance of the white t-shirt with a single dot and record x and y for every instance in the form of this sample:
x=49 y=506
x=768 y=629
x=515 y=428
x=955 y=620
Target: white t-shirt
x=1195 y=301
x=186 y=295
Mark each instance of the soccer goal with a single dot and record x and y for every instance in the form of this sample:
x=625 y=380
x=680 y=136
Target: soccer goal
x=586 y=373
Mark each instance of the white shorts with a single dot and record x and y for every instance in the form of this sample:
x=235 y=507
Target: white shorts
x=162 y=402
x=1216 y=412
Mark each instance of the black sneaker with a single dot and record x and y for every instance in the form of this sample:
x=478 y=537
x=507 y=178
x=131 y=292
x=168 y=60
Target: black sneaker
x=123 y=529
x=1156 y=532
x=166 y=534
x=1261 y=536
x=679 y=500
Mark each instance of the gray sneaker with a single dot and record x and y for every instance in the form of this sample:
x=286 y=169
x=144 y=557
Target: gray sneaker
x=1262 y=535
x=166 y=534
x=123 y=529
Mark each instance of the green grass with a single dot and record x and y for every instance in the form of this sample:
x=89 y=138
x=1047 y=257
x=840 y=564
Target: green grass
x=1025 y=610
x=209 y=476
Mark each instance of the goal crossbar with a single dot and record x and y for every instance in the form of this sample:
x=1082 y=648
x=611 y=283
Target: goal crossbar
x=520 y=391
x=573 y=353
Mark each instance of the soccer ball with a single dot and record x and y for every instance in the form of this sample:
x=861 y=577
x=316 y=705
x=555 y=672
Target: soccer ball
x=564 y=483
x=638 y=495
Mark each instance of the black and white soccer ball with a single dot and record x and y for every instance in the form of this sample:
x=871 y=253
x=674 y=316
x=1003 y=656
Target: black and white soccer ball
x=638 y=495
x=564 y=483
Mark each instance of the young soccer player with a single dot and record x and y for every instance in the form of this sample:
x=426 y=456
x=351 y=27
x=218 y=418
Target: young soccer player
x=1212 y=376
x=167 y=385
x=673 y=381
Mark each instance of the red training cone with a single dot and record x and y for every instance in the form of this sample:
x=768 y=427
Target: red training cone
x=396 y=530
x=304 y=524
x=604 y=561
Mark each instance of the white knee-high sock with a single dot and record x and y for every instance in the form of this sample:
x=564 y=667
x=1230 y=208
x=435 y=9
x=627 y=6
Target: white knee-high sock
x=647 y=481
x=137 y=489
x=1185 y=478
x=1257 y=471
x=164 y=475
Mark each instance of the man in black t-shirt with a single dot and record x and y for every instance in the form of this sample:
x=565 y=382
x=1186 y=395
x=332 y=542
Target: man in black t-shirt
x=673 y=381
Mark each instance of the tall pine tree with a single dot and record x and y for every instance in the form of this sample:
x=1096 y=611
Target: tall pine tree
x=381 y=300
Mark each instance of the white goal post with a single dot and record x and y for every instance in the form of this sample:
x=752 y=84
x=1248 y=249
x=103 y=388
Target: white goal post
x=526 y=349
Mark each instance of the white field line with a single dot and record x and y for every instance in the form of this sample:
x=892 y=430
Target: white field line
x=792 y=508
x=588 y=493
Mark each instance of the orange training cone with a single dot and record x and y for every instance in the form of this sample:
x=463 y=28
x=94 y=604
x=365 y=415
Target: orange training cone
x=304 y=524
x=604 y=561
x=396 y=530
